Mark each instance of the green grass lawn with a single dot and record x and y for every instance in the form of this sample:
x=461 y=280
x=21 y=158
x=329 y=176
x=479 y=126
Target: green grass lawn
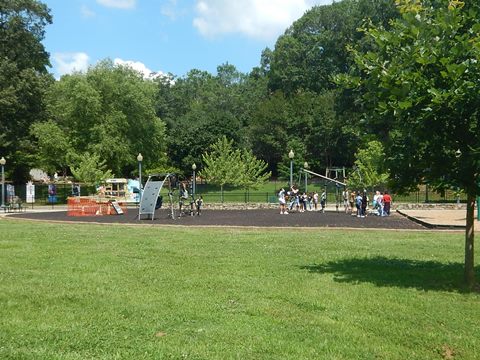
x=130 y=292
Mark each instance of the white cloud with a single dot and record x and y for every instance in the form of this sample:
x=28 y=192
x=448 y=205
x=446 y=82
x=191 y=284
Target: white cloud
x=67 y=63
x=261 y=19
x=169 y=9
x=140 y=67
x=86 y=12
x=119 y=4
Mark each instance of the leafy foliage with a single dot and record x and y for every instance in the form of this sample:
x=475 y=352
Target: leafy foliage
x=419 y=81
x=91 y=169
x=252 y=171
x=225 y=165
x=108 y=112
x=314 y=48
x=220 y=164
x=23 y=79
x=370 y=169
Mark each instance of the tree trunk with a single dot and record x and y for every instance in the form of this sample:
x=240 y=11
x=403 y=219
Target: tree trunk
x=469 y=242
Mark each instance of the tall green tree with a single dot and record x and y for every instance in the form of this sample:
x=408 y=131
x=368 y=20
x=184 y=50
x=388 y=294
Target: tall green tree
x=252 y=172
x=420 y=82
x=370 y=171
x=108 y=111
x=315 y=47
x=200 y=107
x=91 y=170
x=23 y=79
x=220 y=163
x=53 y=147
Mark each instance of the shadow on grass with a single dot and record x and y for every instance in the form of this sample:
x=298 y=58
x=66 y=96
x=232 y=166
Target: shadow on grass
x=405 y=273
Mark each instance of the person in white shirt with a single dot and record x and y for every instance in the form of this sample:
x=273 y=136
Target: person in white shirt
x=282 y=201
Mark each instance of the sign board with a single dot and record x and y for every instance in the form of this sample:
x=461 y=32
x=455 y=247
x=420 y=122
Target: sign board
x=30 y=193
x=52 y=194
x=116 y=207
x=10 y=193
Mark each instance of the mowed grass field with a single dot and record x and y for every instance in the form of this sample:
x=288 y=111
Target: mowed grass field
x=139 y=292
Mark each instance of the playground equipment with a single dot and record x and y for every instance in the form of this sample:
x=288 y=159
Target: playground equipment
x=152 y=199
x=339 y=173
x=94 y=206
x=325 y=177
x=120 y=189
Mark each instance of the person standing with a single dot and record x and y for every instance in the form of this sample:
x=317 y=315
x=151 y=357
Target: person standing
x=352 y=201
x=374 y=202
x=380 y=204
x=282 y=201
x=294 y=193
x=358 y=203
x=364 y=204
x=199 y=204
x=315 y=200
x=346 y=200
x=323 y=201
x=387 y=202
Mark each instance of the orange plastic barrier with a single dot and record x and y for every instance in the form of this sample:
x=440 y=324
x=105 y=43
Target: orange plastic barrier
x=90 y=206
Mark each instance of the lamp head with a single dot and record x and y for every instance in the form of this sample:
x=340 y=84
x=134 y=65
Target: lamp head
x=140 y=157
x=305 y=165
x=194 y=167
x=3 y=161
x=291 y=154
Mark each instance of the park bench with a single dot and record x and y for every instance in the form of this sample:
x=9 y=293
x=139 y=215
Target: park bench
x=15 y=205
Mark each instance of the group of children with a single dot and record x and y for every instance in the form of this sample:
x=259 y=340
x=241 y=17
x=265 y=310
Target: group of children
x=381 y=203
x=355 y=202
x=301 y=201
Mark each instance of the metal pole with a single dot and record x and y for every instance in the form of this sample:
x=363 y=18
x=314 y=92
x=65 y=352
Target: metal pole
x=3 y=187
x=140 y=178
x=291 y=173
x=194 y=184
x=306 y=182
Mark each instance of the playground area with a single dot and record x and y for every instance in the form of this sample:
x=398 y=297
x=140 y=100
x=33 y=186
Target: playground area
x=168 y=201
x=269 y=218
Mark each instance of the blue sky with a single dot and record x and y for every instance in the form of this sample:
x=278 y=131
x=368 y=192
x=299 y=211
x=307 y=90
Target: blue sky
x=167 y=35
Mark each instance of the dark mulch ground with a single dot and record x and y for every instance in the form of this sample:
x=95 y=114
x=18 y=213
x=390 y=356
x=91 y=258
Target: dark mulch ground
x=262 y=218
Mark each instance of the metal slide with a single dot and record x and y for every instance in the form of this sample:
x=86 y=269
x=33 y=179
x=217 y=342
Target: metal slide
x=151 y=192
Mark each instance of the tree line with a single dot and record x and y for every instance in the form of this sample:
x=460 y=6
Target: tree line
x=105 y=116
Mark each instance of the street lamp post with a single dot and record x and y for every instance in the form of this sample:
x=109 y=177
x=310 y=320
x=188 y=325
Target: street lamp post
x=140 y=159
x=305 y=166
x=291 y=155
x=194 y=180
x=2 y=163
